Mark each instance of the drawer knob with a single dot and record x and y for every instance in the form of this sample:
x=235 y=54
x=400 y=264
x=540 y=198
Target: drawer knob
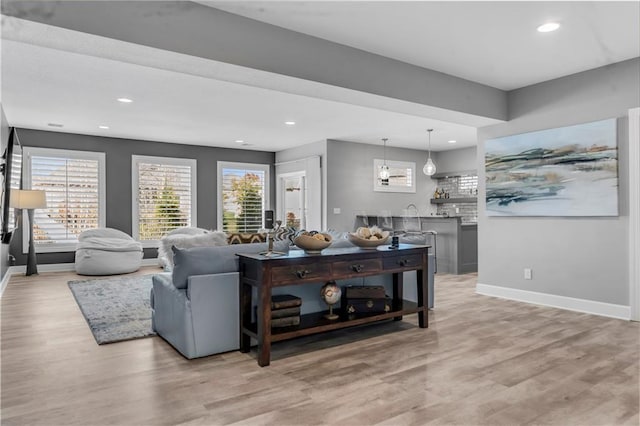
x=357 y=268
x=403 y=262
x=301 y=273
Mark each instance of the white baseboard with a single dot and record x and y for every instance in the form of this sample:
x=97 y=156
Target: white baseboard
x=563 y=302
x=152 y=261
x=54 y=267
x=5 y=280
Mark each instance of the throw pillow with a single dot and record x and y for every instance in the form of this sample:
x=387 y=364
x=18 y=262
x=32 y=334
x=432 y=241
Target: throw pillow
x=212 y=260
x=240 y=238
x=285 y=234
x=188 y=230
x=165 y=256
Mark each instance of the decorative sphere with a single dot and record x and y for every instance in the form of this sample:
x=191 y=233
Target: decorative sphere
x=331 y=293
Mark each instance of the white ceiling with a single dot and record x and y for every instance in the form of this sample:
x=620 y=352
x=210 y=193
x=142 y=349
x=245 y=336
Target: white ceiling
x=493 y=43
x=52 y=75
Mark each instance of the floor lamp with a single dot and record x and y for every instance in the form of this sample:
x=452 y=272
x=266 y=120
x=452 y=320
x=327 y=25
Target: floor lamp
x=27 y=199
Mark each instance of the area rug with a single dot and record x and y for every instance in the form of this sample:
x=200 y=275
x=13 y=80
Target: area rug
x=116 y=308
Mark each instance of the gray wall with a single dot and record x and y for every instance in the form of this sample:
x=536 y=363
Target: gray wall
x=4 y=138
x=457 y=160
x=350 y=182
x=190 y=28
x=118 y=175
x=585 y=258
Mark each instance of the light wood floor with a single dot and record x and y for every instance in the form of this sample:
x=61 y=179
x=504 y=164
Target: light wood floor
x=482 y=361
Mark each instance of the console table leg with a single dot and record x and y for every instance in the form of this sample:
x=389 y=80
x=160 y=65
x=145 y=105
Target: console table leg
x=245 y=316
x=421 y=282
x=397 y=293
x=264 y=325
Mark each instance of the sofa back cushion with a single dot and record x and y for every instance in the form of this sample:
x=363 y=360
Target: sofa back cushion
x=103 y=233
x=213 y=260
x=185 y=240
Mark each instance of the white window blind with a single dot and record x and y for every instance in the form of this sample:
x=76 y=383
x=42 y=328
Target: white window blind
x=243 y=196
x=165 y=194
x=16 y=173
x=74 y=186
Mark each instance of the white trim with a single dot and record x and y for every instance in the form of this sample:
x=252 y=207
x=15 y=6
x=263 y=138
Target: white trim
x=5 y=279
x=305 y=159
x=150 y=261
x=249 y=166
x=57 y=267
x=100 y=157
x=555 y=301
x=171 y=161
x=634 y=213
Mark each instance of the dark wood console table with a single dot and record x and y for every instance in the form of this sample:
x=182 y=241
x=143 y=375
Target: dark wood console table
x=298 y=268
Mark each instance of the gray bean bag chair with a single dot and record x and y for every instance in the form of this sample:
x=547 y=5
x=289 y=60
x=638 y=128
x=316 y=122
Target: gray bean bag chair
x=107 y=251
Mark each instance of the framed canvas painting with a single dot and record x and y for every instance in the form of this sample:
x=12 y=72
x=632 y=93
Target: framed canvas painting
x=567 y=171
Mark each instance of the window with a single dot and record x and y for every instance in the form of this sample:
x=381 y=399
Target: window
x=243 y=191
x=14 y=183
x=74 y=182
x=402 y=176
x=164 y=196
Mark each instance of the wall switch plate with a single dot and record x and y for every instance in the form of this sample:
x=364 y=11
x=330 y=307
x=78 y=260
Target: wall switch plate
x=527 y=273
x=336 y=210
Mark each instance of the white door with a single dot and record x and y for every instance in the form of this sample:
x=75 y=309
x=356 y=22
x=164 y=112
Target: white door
x=293 y=209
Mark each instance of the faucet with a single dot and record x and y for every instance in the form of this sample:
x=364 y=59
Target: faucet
x=415 y=209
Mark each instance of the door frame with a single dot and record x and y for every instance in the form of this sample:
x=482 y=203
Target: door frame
x=634 y=213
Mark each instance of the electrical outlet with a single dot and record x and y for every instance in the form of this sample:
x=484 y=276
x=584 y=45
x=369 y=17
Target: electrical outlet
x=527 y=273
x=336 y=210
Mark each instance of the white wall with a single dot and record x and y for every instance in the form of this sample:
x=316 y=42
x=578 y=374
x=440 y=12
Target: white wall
x=4 y=138
x=584 y=258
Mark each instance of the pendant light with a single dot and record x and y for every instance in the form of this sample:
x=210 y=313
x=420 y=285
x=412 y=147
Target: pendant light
x=429 y=168
x=384 y=169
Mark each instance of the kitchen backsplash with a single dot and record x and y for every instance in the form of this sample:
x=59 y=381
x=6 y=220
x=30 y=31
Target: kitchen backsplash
x=459 y=187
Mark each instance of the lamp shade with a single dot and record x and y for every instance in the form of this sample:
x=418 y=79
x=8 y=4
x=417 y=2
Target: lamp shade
x=429 y=168
x=28 y=199
x=384 y=172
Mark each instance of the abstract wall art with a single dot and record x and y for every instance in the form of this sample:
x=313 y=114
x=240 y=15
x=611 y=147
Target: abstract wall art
x=567 y=171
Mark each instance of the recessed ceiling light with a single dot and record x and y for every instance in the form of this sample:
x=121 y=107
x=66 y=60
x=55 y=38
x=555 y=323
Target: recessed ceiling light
x=239 y=141
x=103 y=127
x=55 y=125
x=548 y=27
x=290 y=123
x=452 y=141
x=125 y=100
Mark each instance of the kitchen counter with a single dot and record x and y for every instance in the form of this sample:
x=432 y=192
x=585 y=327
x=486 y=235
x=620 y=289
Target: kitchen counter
x=456 y=242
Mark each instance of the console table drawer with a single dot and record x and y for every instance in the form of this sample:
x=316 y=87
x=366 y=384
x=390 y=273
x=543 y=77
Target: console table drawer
x=403 y=262
x=297 y=273
x=365 y=266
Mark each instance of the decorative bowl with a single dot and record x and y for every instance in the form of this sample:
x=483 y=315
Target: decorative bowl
x=311 y=244
x=365 y=243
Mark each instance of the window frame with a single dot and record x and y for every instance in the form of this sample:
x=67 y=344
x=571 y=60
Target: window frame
x=169 y=161
x=266 y=168
x=27 y=154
